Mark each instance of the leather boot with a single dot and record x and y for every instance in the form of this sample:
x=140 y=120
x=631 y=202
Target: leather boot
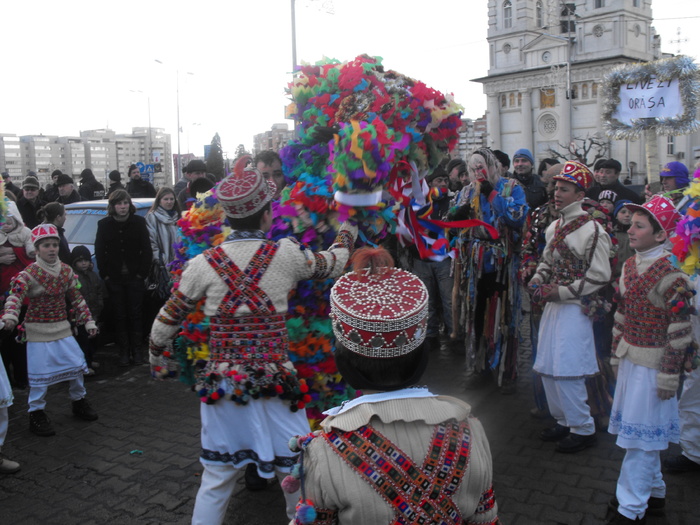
x=83 y=410
x=123 y=344
x=40 y=424
x=136 y=348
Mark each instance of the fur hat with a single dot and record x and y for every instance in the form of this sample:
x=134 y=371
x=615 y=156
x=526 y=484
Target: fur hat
x=611 y=164
x=44 y=231
x=195 y=165
x=64 y=179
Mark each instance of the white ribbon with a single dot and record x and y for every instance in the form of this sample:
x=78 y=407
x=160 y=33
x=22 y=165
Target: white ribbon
x=358 y=199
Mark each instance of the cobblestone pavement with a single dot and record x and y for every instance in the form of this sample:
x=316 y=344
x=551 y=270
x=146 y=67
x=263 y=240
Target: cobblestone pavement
x=139 y=462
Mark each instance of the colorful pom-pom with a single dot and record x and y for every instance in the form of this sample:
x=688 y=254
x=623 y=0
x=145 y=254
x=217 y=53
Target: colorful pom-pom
x=290 y=484
x=305 y=512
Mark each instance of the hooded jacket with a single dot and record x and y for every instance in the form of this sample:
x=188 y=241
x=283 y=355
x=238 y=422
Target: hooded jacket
x=90 y=189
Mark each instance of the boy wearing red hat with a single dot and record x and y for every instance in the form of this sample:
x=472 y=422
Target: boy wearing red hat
x=651 y=335
x=53 y=355
x=574 y=265
x=252 y=399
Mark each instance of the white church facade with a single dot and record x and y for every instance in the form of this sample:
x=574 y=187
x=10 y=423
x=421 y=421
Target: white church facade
x=547 y=62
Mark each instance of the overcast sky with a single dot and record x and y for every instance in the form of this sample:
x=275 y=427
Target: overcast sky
x=73 y=65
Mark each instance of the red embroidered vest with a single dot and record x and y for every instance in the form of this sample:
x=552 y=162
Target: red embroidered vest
x=568 y=268
x=52 y=306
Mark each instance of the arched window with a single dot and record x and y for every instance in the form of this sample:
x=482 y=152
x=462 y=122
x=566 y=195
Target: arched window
x=507 y=14
x=584 y=90
x=503 y=100
x=594 y=90
x=520 y=99
x=511 y=100
x=539 y=14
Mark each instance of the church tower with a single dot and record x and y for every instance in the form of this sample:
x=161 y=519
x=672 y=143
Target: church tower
x=547 y=60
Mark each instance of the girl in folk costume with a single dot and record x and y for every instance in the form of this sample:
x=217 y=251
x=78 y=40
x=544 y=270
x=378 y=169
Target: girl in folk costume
x=574 y=265
x=398 y=454
x=252 y=399
x=53 y=355
x=486 y=270
x=651 y=337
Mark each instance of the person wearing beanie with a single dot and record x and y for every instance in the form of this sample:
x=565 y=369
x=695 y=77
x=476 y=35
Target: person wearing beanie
x=483 y=271
x=137 y=187
x=609 y=186
x=115 y=183
x=10 y=186
x=369 y=457
x=245 y=282
x=30 y=202
x=92 y=290
x=51 y=190
x=523 y=166
x=651 y=338
x=90 y=188
x=575 y=264
x=456 y=169
x=674 y=179
x=504 y=162
x=53 y=355
x=67 y=194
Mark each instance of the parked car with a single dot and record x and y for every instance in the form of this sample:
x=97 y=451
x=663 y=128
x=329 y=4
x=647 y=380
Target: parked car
x=82 y=219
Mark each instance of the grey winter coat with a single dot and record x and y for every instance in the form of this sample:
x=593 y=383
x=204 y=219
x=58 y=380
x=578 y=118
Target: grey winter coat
x=163 y=231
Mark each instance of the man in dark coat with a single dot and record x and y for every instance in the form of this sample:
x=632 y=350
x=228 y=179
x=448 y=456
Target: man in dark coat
x=30 y=202
x=51 y=191
x=10 y=186
x=90 y=188
x=137 y=187
x=196 y=169
x=535 y=190
x=609 y=186
x=67 y=193
x=115 y=182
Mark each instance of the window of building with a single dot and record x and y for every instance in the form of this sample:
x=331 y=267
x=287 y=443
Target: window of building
x=635 y=3
x=594 y=90
x=539 y=14
x=511 y=100
x=671 y=145
x=568 y=18
x=547 y=98
x=507 y=14
x=503 y=101
x=520 y=99
x=584 y=90
x=599 y=4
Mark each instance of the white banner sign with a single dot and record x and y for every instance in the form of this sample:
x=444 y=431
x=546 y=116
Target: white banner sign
x=650 y=98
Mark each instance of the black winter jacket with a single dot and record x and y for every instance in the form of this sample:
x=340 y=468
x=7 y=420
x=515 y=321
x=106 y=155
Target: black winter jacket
x=140 y=188
x=90 y=189
x=123 y=243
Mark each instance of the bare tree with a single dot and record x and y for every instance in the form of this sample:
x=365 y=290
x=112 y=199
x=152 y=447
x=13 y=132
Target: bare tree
x=581 y=149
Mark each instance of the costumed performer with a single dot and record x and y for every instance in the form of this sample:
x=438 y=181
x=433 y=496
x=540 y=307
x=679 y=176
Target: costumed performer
x=652 y=335
x=575 y=264
x=486 y=270
x=252 y=399
x=399 y=453
x=53 y=354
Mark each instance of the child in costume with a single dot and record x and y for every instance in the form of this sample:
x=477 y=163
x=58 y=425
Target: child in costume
x=92 y=290
x=399 y=453
x=575 y=264
x=651 y=336
x=252 y=399
x=53 y=355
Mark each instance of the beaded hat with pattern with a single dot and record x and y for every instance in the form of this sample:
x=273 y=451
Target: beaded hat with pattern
x=576 y=173
x=44 y=231
x=662 y=210
x=245 y=191
x=379 y=312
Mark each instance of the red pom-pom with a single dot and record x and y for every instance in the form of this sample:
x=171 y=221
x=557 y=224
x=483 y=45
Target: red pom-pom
x=166 y=354
x=279 y=389
x=303 y=387
x=290 y=484
x=306 y=398
x=215 y=396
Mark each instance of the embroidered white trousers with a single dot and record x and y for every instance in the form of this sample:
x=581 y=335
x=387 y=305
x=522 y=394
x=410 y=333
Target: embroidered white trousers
x=218 y=482
x=567 y=404
x=37 y=394
x=640 y=478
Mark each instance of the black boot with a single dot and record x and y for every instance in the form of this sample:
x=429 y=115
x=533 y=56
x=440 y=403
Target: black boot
x=83 y=410
x=123 y=343
x=40 y=424
x=136 y=348
x=253 y=481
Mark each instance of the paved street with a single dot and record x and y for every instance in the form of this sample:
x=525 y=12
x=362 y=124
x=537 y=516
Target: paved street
x=138 y=462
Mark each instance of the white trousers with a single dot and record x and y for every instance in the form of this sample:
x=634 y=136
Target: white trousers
x=567 y=404
x=689 y=409
x=37 y=394
x=218 y=482
x=640 y=478
x=4 y=421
